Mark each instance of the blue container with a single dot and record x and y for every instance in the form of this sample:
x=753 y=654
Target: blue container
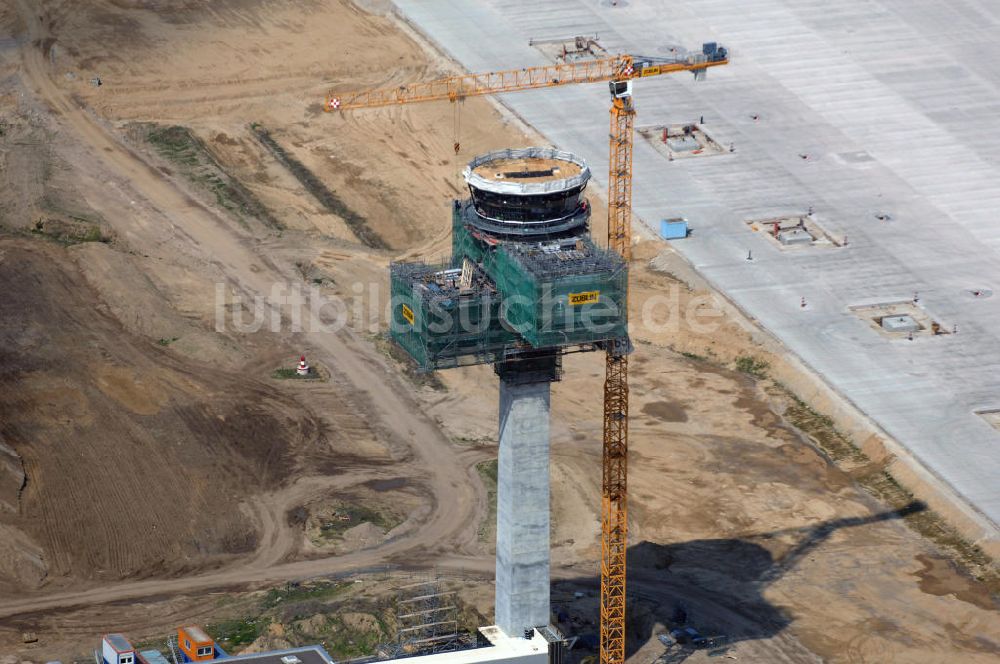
x=673 y=229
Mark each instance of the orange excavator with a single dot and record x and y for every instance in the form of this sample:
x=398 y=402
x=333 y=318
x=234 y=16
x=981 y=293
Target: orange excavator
x=618 y=71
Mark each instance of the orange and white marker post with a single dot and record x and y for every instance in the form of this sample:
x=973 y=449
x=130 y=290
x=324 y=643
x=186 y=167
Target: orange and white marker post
x=303 y=368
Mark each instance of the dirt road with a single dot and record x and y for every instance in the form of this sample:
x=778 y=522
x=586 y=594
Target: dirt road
x=451 y=526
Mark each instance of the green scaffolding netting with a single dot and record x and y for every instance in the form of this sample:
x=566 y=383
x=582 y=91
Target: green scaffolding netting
x=524 y=295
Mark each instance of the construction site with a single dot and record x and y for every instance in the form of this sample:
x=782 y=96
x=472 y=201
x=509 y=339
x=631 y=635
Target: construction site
x=577 y=332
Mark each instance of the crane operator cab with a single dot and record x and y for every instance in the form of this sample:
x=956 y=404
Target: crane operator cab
x=620 y=89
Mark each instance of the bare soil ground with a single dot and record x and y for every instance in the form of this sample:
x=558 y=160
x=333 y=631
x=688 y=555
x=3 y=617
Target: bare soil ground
x=153 y=473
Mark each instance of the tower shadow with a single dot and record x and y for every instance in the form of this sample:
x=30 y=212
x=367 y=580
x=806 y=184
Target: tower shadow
x=713 y=586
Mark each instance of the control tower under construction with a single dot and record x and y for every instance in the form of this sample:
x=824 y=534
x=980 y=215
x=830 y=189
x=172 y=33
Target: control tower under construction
x=525 y=284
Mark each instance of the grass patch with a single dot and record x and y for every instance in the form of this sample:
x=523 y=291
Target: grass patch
x=181 y=147
x=693 y=356
x=237 y=632
x=822 y=431
x=175 y=143
x=311 y=274
x=284 y=373
x=488 y=470
x=166 y=341
x=326 y=197
x=70 y=231
x=385 y=345
x=470 y=441
x=94 y=234
x=753 y=366
x=297 y=592
x=346 y=642
x=346 y=516
x=488 y=474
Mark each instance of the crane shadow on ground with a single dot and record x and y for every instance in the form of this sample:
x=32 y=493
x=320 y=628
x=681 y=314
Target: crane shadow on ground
x=715 y=586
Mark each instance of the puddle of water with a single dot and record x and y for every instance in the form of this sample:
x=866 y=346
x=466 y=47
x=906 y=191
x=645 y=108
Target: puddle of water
x=666 y=410
x=939 y=577
x=387 y=485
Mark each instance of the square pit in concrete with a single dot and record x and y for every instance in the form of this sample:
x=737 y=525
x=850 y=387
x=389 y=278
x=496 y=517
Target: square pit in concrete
x=901 y=323
x=570 y=49
x=794 y=236
x=992 y=417
x=681 y=141
x=795 y=231
x=900 y=319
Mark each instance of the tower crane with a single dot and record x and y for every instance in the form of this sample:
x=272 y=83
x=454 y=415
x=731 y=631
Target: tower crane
x=618 y=71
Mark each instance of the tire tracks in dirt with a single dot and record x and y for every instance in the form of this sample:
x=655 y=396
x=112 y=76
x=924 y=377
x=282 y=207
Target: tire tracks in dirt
x=451 y=525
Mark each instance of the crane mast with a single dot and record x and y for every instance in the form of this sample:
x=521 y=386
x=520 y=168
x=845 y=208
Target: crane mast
x=618 y=71
x=614 y=475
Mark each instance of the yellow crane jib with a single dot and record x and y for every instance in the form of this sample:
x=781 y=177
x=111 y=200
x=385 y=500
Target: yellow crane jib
x=453 y=88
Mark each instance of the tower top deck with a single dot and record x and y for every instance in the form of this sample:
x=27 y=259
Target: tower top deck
x=523 y=170
x=528 y=193
x=526 y=171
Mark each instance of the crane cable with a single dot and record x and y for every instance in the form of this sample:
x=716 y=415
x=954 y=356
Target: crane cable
x=457 y=130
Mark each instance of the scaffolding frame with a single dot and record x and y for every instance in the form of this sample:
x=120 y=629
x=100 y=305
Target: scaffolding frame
x=427 y=622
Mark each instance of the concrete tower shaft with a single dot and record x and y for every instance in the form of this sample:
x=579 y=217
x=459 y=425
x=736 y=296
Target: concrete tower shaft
x=522 y=581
